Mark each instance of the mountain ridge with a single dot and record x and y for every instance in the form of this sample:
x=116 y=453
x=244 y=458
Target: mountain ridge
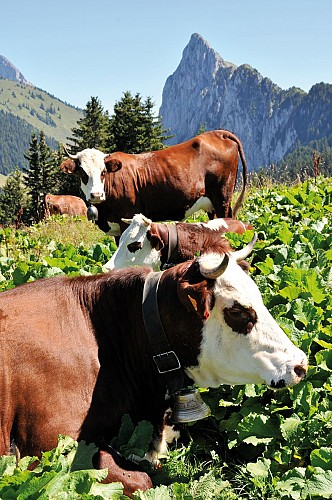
x=25 y=109
x=206 y=91
x=10 y=72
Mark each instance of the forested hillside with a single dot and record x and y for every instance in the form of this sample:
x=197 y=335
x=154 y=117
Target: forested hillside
x=25 y=109
x=15 y=136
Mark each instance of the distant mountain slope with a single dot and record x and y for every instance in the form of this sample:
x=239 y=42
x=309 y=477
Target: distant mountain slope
x=207 y=91
x=15 y=137
x=25 y=109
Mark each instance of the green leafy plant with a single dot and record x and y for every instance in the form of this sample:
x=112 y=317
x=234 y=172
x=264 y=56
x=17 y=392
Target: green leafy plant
x=65 y=472
x=258 y=443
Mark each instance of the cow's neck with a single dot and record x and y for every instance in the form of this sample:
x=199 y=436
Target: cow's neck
x=165 y=358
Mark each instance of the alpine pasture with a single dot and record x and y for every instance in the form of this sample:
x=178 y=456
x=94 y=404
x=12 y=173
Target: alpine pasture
x=257 y=443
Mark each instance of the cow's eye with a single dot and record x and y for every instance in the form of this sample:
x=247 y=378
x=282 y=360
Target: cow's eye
x=83 y=175
x=133 y=247
x=234 y=312
x=240 y=318
x=103 y=173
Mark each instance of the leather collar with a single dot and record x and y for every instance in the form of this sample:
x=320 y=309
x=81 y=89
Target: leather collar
x=166 y=360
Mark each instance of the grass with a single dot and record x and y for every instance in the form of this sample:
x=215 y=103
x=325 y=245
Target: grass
x=35 y=106
x=74 y=230
x=3 y=179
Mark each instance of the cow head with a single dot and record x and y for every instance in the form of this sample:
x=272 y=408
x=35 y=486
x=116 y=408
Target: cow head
x=241 y=342
x=91 y=167
x=134 y=247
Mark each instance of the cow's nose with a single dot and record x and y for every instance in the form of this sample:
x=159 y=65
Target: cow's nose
x=301 y=371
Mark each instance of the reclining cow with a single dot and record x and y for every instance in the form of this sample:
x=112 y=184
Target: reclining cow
x=64 y=205
x=78 y=353
x=153 y=244
x=169 y=184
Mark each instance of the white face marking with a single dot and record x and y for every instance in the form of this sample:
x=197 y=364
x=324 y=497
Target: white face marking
x=263 y=355
x=135 y=234
x=92 y=162
x=202 y=203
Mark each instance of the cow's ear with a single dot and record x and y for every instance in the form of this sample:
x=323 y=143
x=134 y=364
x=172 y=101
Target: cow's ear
x=244 y=265
x=68 y=166
x=155 y=239
x=112 y=164
x=195 y=297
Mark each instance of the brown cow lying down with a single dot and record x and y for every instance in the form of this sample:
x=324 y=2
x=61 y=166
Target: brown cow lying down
x=64 y=205
x=76 y=353
x=153 y=244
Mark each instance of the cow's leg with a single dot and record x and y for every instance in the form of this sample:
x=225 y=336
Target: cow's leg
x=221 y=202
x=131 y=480
x=203 y=203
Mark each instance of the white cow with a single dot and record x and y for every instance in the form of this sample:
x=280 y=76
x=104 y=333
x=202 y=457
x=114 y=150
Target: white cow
x=148 y=243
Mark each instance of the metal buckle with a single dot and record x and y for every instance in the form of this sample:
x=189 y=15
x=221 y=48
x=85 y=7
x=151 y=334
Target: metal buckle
x=164 y=359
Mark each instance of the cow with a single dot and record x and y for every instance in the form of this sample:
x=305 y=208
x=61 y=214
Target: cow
x=64 y=205
x=78 y=353
x=169 y=184
x=150 y=243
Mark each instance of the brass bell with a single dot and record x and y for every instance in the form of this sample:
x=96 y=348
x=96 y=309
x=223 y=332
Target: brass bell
x=189 y=406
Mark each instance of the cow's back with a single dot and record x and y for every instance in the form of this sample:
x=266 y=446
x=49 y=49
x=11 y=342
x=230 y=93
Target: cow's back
x=164 y=184
x=65 y=205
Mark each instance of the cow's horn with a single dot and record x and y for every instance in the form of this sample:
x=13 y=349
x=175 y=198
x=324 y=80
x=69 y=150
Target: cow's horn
x=244 y=252
x=73 y=157
x=127 y=221
x=215 y=272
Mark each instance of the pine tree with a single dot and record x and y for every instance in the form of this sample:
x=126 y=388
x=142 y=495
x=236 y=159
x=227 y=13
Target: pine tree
x=133 y=127
x=92 y=129
x=64 y=184
x=41 y=176
x=12 y=198
x=202 y=129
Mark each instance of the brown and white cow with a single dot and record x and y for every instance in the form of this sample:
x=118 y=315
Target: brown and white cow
x=153 y=244
x=76 y=355
x=64 y=205
x=169 y=184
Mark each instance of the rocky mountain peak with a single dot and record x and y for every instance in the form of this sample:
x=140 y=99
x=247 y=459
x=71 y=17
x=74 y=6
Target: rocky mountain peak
x=10 y=72
x=207 y=91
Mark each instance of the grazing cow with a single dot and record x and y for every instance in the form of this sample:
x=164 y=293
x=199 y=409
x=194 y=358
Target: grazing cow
x=79 y=353
x=169 y=184
x=64 y=204
x=152 y=244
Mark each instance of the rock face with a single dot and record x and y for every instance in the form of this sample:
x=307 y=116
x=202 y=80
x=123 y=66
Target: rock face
x=206 y=91
x=10 y=72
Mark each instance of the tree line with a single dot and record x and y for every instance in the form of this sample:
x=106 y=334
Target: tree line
x=132 y=128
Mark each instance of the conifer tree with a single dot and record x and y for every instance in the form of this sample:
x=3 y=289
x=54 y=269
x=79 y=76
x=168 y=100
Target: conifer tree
x=12 y=198
x=133 y=127
x=91 y=131
x=40 y=178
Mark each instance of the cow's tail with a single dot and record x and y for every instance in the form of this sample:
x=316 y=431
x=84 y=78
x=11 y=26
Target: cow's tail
x=239 y=202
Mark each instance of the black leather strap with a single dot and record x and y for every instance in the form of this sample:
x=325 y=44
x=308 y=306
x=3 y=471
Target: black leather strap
x=166 y=360
x=172 y=243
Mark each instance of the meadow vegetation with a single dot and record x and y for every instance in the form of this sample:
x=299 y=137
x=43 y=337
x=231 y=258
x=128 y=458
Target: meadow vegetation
x=258 y=443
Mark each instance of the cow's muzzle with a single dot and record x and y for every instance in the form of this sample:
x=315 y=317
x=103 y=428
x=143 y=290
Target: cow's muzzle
x=97 y=197
x=298 y=373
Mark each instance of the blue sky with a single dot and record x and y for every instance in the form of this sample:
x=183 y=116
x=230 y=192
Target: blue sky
x=75 y=49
